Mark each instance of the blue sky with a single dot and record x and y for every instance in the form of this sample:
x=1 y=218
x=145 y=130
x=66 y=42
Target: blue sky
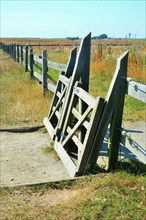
x=57 y=19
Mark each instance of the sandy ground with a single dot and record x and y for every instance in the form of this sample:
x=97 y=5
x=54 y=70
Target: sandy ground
x=23 y=161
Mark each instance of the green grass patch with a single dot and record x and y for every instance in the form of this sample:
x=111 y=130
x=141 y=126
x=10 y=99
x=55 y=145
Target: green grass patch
x=118 y=195
x=50 y=149
x=134 y=109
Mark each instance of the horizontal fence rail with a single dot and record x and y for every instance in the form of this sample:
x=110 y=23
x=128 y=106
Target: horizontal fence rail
x=24 y=54
x=54 y=65
x=136 y=90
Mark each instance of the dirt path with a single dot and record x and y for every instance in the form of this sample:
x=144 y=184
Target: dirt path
x=23 y=160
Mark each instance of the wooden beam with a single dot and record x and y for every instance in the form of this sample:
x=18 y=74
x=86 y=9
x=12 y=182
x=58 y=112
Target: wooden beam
x=78 y=68
x=57 y=66
x=26 y=58
x=136 y=90
x=44 y=71
x=115 y=131
x=108 y=110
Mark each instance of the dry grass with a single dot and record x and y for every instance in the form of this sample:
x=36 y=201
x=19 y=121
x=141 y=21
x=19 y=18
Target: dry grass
x=22 y=101
x=21 y=98
x=91 y=197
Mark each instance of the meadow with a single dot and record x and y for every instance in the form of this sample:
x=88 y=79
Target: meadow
x=116 y=195
x=104 y=53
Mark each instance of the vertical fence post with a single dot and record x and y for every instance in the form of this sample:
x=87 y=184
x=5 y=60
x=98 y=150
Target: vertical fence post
x=17 y=52
x=26 y=58
x=10 y=50
x=31 y=63
x=44 y=71
x=13 y=53
x=21 y=53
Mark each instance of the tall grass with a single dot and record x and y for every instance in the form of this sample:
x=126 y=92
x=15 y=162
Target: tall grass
x=103 y=64
x=21 y=98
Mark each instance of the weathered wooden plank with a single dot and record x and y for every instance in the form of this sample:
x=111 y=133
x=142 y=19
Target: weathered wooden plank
x=78 y=116
x=64 y=79
x=54 y=65
x=79 y=66
x=58 y=94
x=76 y=140
x=136 y=89
x=57 y=66
x=90 y=135
x=67 y=161
x=77 y=125
x=49 y=127
x=58 y=104
x=51 y=87
x=108 y=110
x=37 y=59
x=57 y=113
x=115 y=133
x=71 y=63
x=130 y=141
x=38 y=76
x=85 y=96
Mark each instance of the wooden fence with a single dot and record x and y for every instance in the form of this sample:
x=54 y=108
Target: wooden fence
x=78 y=122
x=24 y=54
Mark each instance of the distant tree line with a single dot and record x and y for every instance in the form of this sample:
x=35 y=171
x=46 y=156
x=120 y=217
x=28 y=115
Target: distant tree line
x=72 y=38
x=102 y=36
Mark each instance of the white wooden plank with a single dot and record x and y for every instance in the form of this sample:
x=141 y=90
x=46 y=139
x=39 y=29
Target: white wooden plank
x=67 y=161
x=90 y=134
x=78 y=116
x=58 y=94
x=38 y=76
x=135 y=140
x=85 y=96
x=49 y=127
x=57 y=66
x=77 y=125
x=76 y=140
x=51 y=87
x=37 y=59
x=136 y=89
x=64 y=79
x=58 y=104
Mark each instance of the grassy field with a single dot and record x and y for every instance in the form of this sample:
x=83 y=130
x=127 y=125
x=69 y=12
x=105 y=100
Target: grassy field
x=118 y=195
x=21 y=98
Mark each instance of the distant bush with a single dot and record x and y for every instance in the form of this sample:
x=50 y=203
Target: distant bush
x=102 y=36
x=72 y=38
